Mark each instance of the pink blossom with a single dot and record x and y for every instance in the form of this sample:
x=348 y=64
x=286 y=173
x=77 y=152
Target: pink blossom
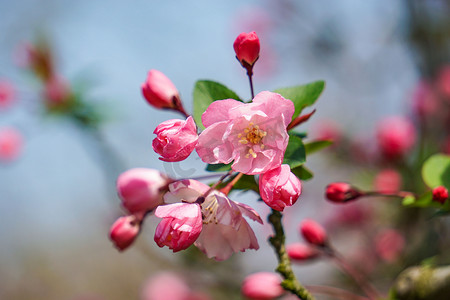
x=440 y=194
x=10 y=144
x=396 y=136
x=389 y=243
x=262 y=286
x=313 y=232
x=355 y=214
x=225 y=230
x=159 y=91
x=142 y=190
x=252 y=134
x=341 y=192
x=328 y=130
x=180 y=226
x=165 y=286
x=388 y=181
x=176 y=139
x=424 y=100
x=6 y=94
x=124 y=231
x=247 y=48
x=300 y=252
x=279 y=187
x=444 y=81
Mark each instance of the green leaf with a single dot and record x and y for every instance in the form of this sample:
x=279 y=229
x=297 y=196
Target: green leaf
x=436 y=171
x=408 y=200
x=302 y=173
x=302 y=95
x=295 y=154
x=315 y=146
x=218 y=167
x=425 y=200
x=247 y=182
x=205 y=93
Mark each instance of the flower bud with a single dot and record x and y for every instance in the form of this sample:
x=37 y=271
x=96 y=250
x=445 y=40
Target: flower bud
x=124 y=231
x=300 y=252
x=279 y=187
x=396 y=136
x=6 y=94
x=313 y=232
x=159 y=91
x=247 y=47
x=262 y=286
x=175 y=139
x=10 y=144
x=142 y=189
x=440 y=194
x=341 y=192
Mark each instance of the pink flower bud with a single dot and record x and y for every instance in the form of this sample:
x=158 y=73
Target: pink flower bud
x=142 y=189
x=180 y=226
x=313 y=232
x=10 y=144
x=440 y=194
x=388 y=181
x=165 y=286
x=262 y=286
x=341 y=192
x=389 y=244
x=300 y=252
x=279 y=187
x=159 y=91
x=175 y=139
x=247 y=47
x=6 y=94
x=124 y=231
x=396 y=136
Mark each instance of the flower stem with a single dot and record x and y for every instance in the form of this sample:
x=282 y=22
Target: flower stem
x=227 y=189
x=334 y=292
x=290 y=282
x=250 y=78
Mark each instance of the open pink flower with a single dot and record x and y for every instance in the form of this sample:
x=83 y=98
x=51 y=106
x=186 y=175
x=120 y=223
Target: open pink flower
x=225 y=230
x=175 y=139
x=180 y=226
x=252 y=134
x=279 y=187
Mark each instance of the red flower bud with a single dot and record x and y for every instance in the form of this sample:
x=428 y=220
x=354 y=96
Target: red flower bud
x=313 y=232
x=247 y=48
x=341 y=192
x=160 y=92
x=440 y=194
x=300 y=252
x=124 y=231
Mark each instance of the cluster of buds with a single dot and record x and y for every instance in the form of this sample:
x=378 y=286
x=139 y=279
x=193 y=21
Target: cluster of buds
x=440 y=194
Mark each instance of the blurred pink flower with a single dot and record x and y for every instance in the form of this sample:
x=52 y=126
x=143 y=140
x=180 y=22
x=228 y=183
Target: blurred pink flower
x=225 y=230
x=389 y=244
x=57 y=92
x=180 y=226
x=7 y=94
x=388 y=181
x=165 y=286
x=252 y=134
x=11 y=143
x=444 y=81
x=327 y=130
x=355 y=214
x=279 y=187
x=396 y=136
x=124 y=231
x=159 y=91
x=424 y=100
x=299 y=252
x=262 y=286
x=175 y=139
x=141 y=189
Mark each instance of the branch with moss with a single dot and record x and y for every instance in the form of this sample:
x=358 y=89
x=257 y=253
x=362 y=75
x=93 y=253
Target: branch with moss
x=290 y=282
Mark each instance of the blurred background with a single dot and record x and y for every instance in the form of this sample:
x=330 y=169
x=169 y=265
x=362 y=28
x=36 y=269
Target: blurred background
x=57 y=184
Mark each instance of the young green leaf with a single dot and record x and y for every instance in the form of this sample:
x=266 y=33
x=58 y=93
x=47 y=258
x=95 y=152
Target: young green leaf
x=315 y=146
x=302 y=173
x=218 y=167
x=295 y=152
x=205 y=93
x=436 y=171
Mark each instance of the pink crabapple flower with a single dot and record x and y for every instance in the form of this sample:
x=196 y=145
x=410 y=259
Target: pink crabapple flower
x=388 y=181
x=313 y=232
x=124 y=231
x=225 y=230
x=396 y=135
x=262 y=286
x=159 y=91
x=141 y=189
x=6 y=94
x=300 y=252
x=246 y=46
x=279 y=187
x=252 y=134
x=165 y=285
x=440 y=194
x=180 y=226
x=389 y=243
x=11 y=142
x=175 y=139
